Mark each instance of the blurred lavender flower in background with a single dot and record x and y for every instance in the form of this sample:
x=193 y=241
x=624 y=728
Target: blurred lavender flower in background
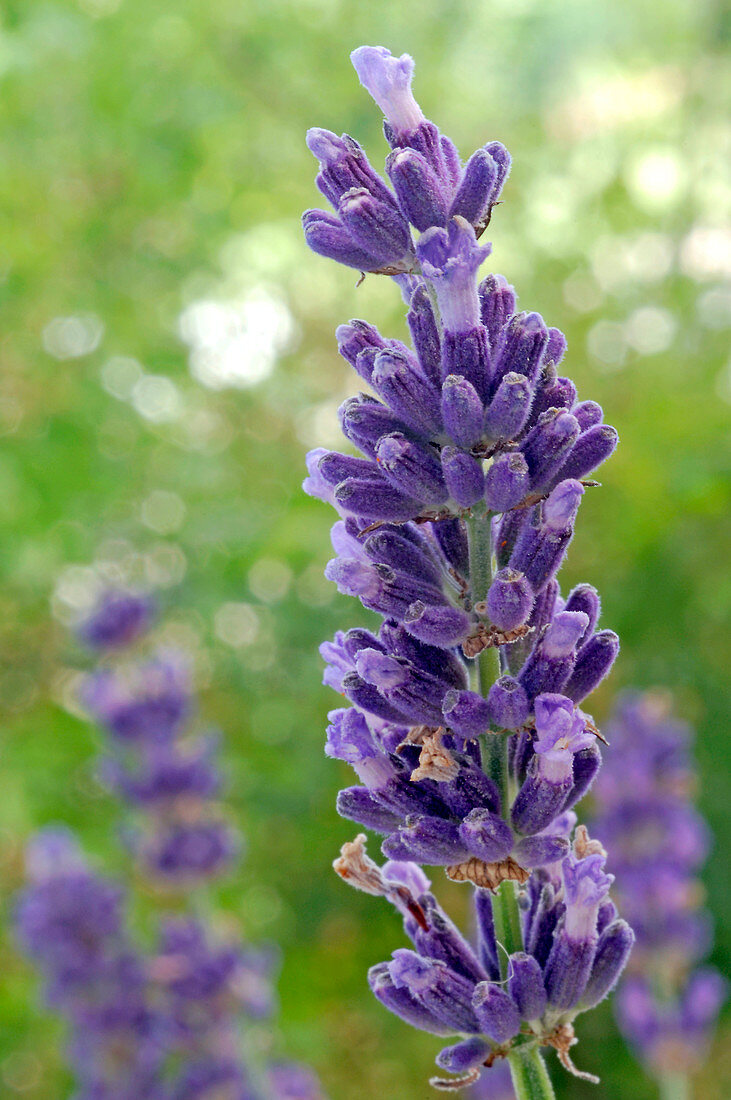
x=118 y=619
x=182 y=1020
x=72 y=923
x=171 y=780
x=667 y=1005
x=465 y=730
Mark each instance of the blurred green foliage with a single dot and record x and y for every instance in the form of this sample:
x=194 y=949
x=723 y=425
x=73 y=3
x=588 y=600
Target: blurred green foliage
x=168 y=357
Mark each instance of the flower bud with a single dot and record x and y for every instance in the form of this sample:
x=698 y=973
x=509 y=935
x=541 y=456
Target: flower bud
x=327 y=236
x=466 y=713
x=592 y=664
x=375 y=226
x=407 y=392
x=587 y=414
x=463 y=476
x=496 y=1012
x=486 y=835
x=461 y=411
x=509 y=408
x=465 y=1055
x=562 y=504
x=507 y=704
x=425 y=334
x=375 y=500
x=585 y=598
x=547 y=445
x=364 y=420
x=497 y=305
x=613 y=950
x=521 y=351
x=540 y=850
x=525 y=986
x=418 y=189
x=476 y=187
x=412 y=468
x=335 y=467
x=358 y=804
x=440 y=626
x=589 y=451
x=509 y=600
x=555 y=348
x=355 y=337
x=429 y=840
x=507 y=482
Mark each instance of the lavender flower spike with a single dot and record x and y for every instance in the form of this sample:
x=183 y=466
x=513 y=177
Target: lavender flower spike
x=667 y=1005
x=464 y=731
x=166 y=1023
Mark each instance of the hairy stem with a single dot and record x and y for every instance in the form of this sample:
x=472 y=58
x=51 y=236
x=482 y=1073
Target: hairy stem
x=529 y=1073
x=507 y=923
x=479 y=541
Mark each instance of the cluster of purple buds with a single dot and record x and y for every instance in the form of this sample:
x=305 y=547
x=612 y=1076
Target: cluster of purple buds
x=464 y=730
x=118 y=619
x=574 y=948
x=160 y=1025
x=170 y=779
x=172 y=1022
x=667 y=1005
x=72 y=924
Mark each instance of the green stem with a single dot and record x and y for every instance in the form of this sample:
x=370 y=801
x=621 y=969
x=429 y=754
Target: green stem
x=479 y=541
x=529 y=1073
x=674 y=1086
x=507 y=923
x=495 y=763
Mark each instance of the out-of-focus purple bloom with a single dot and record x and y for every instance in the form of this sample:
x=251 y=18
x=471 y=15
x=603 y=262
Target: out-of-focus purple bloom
x=72 y=924
x=170 y=1023
x=146 y=703
x=667 y=1005
x=291 y=1081
x=117 y=620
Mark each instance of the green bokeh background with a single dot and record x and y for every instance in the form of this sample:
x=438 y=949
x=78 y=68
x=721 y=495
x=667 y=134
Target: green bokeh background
x=153 y=160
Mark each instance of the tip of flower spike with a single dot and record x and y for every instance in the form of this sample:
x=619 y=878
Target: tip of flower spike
x=325 y=145
x=388 y=80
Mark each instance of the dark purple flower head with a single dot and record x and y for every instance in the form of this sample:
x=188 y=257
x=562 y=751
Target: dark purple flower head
x=68 y=919
x=117 y=620
x=146 y=703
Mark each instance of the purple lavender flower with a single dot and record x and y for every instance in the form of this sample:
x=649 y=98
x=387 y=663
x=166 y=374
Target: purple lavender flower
x=182 y=838
x=146 y=703
x=667 y=1005
x=464 y=730
x=118 y=619
x=170 y=1023
x=72 y=924
x=448 y=986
